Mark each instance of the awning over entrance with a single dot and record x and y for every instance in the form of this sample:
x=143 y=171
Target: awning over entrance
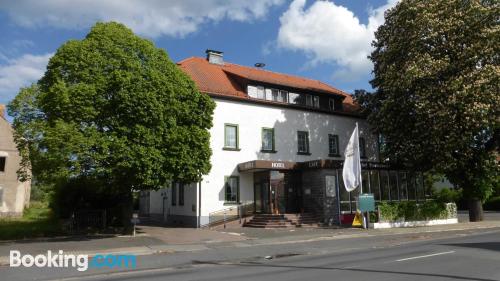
x=266 y=165
x=261 y=165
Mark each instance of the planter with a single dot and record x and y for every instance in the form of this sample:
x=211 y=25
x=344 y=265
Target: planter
x=380 y=225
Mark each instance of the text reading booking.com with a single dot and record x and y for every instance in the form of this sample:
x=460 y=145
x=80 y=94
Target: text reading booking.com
x=80 y=262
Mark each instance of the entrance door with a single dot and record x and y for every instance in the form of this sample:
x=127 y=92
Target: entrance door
x=262 y=196
x=278 y=196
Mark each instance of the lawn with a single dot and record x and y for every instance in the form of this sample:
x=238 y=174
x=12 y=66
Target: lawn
x=37 y=221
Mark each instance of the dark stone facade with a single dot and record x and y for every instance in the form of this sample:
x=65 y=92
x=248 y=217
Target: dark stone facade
x=316 y=199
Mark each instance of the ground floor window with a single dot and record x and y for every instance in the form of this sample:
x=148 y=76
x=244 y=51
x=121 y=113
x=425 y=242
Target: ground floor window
x=181 y=194
x=2 y=163
x=385 y=185
x=232 y=189
x=174 y=194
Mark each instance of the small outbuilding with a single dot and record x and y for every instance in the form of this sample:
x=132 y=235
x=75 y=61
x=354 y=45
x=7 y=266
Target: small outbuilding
x=14 y=194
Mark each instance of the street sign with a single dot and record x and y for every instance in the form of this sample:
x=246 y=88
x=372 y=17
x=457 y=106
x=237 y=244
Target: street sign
x=366 y=202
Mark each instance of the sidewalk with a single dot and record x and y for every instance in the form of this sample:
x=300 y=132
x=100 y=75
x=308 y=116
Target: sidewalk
x=153 y=240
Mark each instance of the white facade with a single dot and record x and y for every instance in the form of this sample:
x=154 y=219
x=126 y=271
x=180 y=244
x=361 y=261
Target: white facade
x=251 y=118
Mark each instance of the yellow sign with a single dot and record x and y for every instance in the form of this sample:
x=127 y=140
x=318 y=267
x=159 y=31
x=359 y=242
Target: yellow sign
x=358 y=219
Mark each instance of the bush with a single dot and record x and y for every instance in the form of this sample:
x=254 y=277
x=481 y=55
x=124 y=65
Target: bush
x=411 y=211
x=447 y=195
x=493 y=204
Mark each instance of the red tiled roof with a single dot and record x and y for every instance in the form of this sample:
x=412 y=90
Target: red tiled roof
x=216 y=80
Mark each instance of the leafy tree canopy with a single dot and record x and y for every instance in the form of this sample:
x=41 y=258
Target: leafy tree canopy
x=437 y=80
x=114 y=107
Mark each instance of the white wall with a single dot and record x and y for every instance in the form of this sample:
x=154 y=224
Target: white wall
x=286 y=122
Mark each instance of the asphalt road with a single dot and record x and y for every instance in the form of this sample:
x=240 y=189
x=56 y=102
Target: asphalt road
x=457 y=255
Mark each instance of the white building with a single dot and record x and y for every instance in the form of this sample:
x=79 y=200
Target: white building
x=277 y=147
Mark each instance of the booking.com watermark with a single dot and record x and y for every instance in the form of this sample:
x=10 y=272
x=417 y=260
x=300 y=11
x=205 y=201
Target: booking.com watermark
x=80 y=262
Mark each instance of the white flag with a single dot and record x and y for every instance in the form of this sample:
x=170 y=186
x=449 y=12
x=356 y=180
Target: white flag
x=352 y=164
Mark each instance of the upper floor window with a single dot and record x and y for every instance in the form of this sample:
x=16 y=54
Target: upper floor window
x=268 y=139
x=309 y=100
x=302 y=142
x=283 y=96
x=295 y=98
x=331 y=104
x=3 y=160
x=333 y=145
x=362 y=148
x=231 y=136
x=316 y=101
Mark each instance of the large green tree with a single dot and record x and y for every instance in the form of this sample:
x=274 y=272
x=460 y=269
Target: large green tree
x=115 y=110
x=437 y=99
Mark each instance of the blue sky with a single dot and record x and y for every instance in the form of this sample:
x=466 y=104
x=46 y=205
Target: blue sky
x=324 y=40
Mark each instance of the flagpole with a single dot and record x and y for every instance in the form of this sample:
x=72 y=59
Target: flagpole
x=365 y=218
x=359 y=163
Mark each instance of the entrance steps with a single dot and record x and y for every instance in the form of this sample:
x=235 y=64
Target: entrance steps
x=284 y=220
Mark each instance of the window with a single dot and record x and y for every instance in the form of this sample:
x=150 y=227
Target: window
x=295 y=98
x=174 y=194
x=252 y=91
x=260 y=92
x=269 y=94
x=181 y=194
x=316 y=101
x=267 y=139
x=283 y=96
x=303 y=142
x=232 y=189
x=275 y=94
x=331 y=104
x=362 y=148
x=309 y=100
x=333 y=145
x=2 y=163
x=231 y=136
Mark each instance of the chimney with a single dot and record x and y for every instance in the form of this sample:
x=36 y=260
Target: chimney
x=2 y=110
x=215 y=57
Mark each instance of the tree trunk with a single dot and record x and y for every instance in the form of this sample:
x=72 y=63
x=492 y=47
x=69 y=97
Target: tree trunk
x=475 y=210
x=127 y=209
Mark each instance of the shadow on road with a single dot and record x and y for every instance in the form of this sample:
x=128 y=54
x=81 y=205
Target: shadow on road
x=492 y=246
x=257 y=264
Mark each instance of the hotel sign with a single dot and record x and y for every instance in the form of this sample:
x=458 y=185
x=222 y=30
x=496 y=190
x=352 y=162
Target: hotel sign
x=266 y=165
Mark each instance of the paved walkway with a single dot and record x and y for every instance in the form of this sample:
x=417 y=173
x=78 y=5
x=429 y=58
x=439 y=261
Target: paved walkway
x=155 y=239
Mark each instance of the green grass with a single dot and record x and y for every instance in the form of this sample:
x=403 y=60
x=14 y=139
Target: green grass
x=37 y=221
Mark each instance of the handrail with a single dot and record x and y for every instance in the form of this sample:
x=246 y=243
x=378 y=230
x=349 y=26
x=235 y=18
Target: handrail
x=231 y=213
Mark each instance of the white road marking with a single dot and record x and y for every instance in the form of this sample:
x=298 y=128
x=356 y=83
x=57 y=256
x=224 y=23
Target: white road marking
x=426 y=256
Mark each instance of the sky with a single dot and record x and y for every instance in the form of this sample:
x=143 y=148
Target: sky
x=324 y=40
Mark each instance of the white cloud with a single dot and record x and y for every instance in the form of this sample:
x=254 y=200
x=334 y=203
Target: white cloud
x=147 y=17
x=21 y=72
x=330 y=33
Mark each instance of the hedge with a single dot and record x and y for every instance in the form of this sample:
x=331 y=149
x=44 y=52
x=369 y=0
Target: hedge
x=411 y=211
